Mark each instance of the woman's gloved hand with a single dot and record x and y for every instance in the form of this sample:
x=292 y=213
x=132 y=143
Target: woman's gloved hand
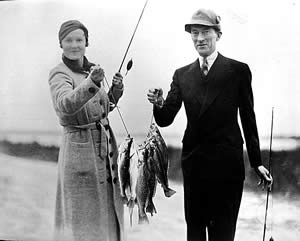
x=97 y=74
x=118 y=81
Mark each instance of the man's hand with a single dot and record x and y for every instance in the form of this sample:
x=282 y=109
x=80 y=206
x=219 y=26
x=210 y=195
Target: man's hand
x=266 y=179
x=155 y=96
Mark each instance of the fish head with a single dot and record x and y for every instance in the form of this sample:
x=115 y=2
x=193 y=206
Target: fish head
x=125 y=145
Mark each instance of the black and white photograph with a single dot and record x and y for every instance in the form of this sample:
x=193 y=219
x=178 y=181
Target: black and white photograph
x=149 y=120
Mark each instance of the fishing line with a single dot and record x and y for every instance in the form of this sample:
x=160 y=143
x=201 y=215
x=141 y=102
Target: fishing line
x=152 y=117
x=118 y=109
x=129 y=65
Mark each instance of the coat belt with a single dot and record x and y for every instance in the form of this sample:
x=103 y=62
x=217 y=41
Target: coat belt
x=97 y=125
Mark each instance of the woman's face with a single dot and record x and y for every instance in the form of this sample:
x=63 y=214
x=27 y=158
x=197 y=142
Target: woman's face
x=74 y=44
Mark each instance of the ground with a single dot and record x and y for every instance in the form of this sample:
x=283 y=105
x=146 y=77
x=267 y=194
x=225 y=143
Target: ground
x=27 y=200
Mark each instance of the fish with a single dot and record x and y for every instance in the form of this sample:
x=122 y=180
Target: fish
x=145 y=188
x=152 y=183
x=133 y=173
x=160 y=143
x=128 y=160
x=123 y=167
x=140 y=168
x=158 y=152
x=142 y=191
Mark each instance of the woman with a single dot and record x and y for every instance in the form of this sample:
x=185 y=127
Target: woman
x=88 y=202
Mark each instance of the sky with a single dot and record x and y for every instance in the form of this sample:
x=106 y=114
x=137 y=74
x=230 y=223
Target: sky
x=263 y=34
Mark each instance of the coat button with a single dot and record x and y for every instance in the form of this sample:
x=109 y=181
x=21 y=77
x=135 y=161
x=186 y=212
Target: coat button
x=112 y=167
x=115 y=180
x=101 y=102
x=109 y=140
x=92 y=90
x=111 y=154
x=106 y=127
x=98 y=125
x=109 y=179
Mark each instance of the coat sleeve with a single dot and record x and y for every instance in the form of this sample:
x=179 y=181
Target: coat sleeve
x=114 y=94
x=165 y=115
x=248 y=120
x=66 y=99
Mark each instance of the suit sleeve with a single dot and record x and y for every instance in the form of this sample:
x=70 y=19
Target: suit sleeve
x=65 y=99
x=248 y=119
x=165 y=115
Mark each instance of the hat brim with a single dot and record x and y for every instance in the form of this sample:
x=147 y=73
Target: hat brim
x=188 y=26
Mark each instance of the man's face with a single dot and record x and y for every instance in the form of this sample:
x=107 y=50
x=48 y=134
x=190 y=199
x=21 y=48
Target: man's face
x=204 y=39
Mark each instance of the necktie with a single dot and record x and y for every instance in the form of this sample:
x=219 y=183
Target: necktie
x=204 y=67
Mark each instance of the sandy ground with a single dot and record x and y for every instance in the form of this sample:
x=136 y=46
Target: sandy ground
x=27 y=193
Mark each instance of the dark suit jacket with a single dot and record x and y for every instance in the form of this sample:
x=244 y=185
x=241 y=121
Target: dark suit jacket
x=212 y=142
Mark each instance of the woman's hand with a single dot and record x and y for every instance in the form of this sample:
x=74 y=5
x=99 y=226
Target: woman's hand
x=118 y=81
x=97 y=74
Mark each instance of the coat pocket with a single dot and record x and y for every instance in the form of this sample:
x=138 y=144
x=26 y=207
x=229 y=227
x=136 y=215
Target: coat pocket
x=79 y=157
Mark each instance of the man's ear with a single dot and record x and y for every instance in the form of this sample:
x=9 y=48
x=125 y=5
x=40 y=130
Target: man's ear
x=219 y=35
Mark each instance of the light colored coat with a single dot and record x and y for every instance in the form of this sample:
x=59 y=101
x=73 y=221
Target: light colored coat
x=88 y=202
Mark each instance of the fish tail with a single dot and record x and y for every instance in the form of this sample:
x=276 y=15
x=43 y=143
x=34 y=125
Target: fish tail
x=151 y=208
x=143 y=219
x=169 y=192
x=130 y=216
x=130 y=205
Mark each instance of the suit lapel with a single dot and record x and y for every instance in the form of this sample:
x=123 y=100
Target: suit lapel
x=218 y=77
x=193 y=81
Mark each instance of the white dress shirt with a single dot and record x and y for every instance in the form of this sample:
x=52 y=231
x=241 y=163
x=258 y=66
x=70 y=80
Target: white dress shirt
x=210 y=59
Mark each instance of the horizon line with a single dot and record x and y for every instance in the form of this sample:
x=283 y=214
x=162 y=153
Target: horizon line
x=57 y=133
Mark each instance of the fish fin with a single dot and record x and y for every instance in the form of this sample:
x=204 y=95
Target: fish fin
x=143 y=219
x=130 y=203
x=169 y=192
x=158 y=181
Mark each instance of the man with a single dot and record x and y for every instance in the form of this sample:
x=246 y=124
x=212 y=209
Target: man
x=213 y=89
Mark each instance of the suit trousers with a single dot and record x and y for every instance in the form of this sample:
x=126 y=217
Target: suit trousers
x=211 y=207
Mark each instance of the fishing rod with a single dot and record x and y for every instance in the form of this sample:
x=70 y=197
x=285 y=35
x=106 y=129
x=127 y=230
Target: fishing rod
x=132 y=36
x=270 y=171
x=129 y=66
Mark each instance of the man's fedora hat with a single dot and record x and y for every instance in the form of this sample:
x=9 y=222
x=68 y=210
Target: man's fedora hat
x=204 y=17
